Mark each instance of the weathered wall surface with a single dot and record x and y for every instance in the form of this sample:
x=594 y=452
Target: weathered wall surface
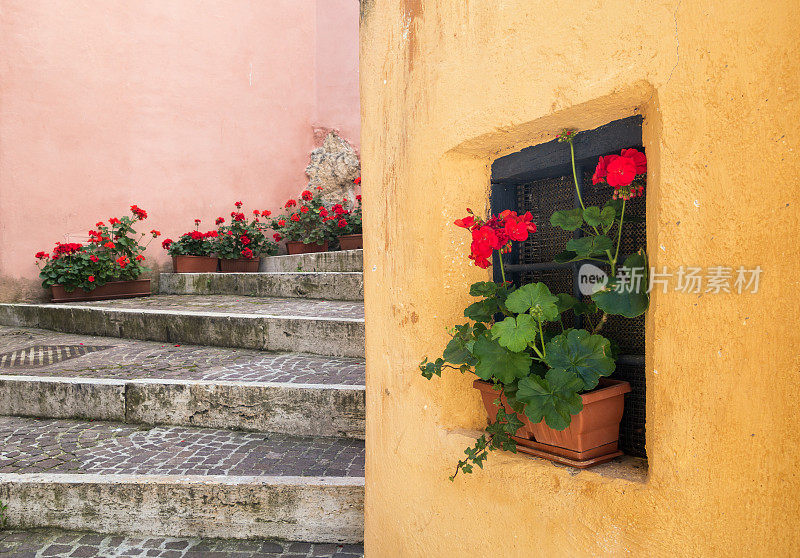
x=449 y=86
x=181 y=107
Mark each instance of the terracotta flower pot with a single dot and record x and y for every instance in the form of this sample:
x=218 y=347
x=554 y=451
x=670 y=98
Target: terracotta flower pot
x=240 y=265
x=194 y=264
x=112 y=290
x=590 y=439
x=351 y=242
x=296 y=247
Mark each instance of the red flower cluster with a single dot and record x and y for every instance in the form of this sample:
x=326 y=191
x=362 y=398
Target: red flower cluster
x=357 y=180
x=495 y=234
x=247 y=253
x=155 y=233
x=138 y=212
x=166 y=243
x=266 y=213
x=123 y=261
x=238 y=205
x=619 y=171
x=65 y=249
x=42 y=255
x=304 y=209
x=237 y=216
x=307 y=195
x=342 y=223
x=220 y=220
x=290 y=203
x=197 y=222
x=277 y=237
x=295 y=217
x=113 y=221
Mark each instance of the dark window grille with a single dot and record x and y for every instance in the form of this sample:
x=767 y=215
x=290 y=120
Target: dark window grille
x=539 y=179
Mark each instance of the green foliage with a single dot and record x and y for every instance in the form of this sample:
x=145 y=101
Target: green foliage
x=553 y=398
x=307 y=220
x=193 y=243
x=626 y=298
x=536 y=299
x=581 y=355
x=515 y=333
x=243 y=237
x=567 y=219
x=589 y=246
x=496 y=361
x=601 y=218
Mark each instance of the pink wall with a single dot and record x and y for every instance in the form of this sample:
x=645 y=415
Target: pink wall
x=179 y=106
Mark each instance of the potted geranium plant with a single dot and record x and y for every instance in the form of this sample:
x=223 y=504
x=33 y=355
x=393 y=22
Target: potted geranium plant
x=107 y=267
x=348 y=224
x=193 y=252
x=305 y=224
x=545 y=386
x=241 y=244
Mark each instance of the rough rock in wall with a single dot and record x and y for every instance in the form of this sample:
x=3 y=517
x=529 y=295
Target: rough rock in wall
x=334 y=166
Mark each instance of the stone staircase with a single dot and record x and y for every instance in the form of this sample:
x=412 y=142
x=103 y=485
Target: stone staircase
x=227 y=406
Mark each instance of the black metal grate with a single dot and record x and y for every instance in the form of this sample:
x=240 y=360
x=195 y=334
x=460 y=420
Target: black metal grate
x=38 y=356
x=544 y=196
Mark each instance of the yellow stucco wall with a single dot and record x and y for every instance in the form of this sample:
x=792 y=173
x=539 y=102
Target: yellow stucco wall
x=450 y=85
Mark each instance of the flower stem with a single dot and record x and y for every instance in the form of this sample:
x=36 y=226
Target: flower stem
x=541 y=334
x=502 y=268
x=619 y=240
x=575 y=176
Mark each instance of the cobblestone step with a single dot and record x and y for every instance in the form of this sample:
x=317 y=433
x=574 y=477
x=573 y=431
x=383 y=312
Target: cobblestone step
x=156 y=383
x=331 y=328
x=182 y=482
x=55 y=542
x=347 y=260
x=327 y=285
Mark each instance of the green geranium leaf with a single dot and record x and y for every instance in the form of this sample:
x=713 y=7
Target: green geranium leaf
x=495 y=360
x=566 y=302
x=456 y=352
x=567 y=219
x=553 y=398
x=515 y=333
x=588 y=246
x=484 y=288
x=595 y=217
x=627 y=298
x=482 y=311
x=566 y=256
x=585 y=308
x=616 y=205
x=536 y=298
x=584 y=356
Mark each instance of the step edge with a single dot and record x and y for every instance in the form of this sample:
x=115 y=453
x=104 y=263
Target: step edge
x=223 y=480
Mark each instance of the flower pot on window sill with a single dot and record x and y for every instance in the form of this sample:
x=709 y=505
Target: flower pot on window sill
x=194 y=264
x=109 y=291
x=239 y=265
x=590 y=439
x=351 y=242
x=296 y=247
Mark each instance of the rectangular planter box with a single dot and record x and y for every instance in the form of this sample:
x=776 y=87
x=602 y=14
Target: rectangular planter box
x=351 y=242
x=241 y=265
x=194 y=264
x=109 y=291
x=590 y=439
x=295 y=247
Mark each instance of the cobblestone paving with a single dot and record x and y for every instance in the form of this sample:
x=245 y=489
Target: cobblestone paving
x=51 y=542
x=69 y=446
x=127 y=360
x=234 y=304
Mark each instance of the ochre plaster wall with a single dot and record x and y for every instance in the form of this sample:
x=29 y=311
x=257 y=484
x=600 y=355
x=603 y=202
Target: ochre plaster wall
x=449 y=86
x=182 y=107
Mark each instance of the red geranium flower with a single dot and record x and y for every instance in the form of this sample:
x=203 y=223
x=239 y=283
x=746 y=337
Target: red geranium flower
x=42 y=255
x=114 y=221
x=621 y=171
x=304 y=209
x=110 y=245
x=138 y=212
x=600 y=171
x=197 y=221
x=342 y=223
x=323 y=212
x=211 y=234
x=247 y=253
x=244 y=239
x=357 y=180
x=277 y=237
x=281 y=223
x=338 y=209
x=466 y=223
x=638 y=158
x=306 y=195
x=166 y=243
x=220 y=220
x=238 y=204
x=123 y=261
x=90 y=278
x=139 y=258
x=99 y=224
x=266 y=213
x=358 y=198
x=256 y=212
x=290 y=203
x=295 y=217
x=94 y=258
x=155 y=233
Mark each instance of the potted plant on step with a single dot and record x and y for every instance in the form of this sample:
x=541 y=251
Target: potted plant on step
x=241 y=244
x=107 y=267
x=348 y=224
x=305 y=224
x=545 y=386
x=193 y=252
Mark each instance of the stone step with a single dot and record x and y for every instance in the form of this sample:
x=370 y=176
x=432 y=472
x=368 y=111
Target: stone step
x=57 y=542
x=346 y=260
x=182 y=482
x=326 y=285
x=55 y=375
x=331 y=328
